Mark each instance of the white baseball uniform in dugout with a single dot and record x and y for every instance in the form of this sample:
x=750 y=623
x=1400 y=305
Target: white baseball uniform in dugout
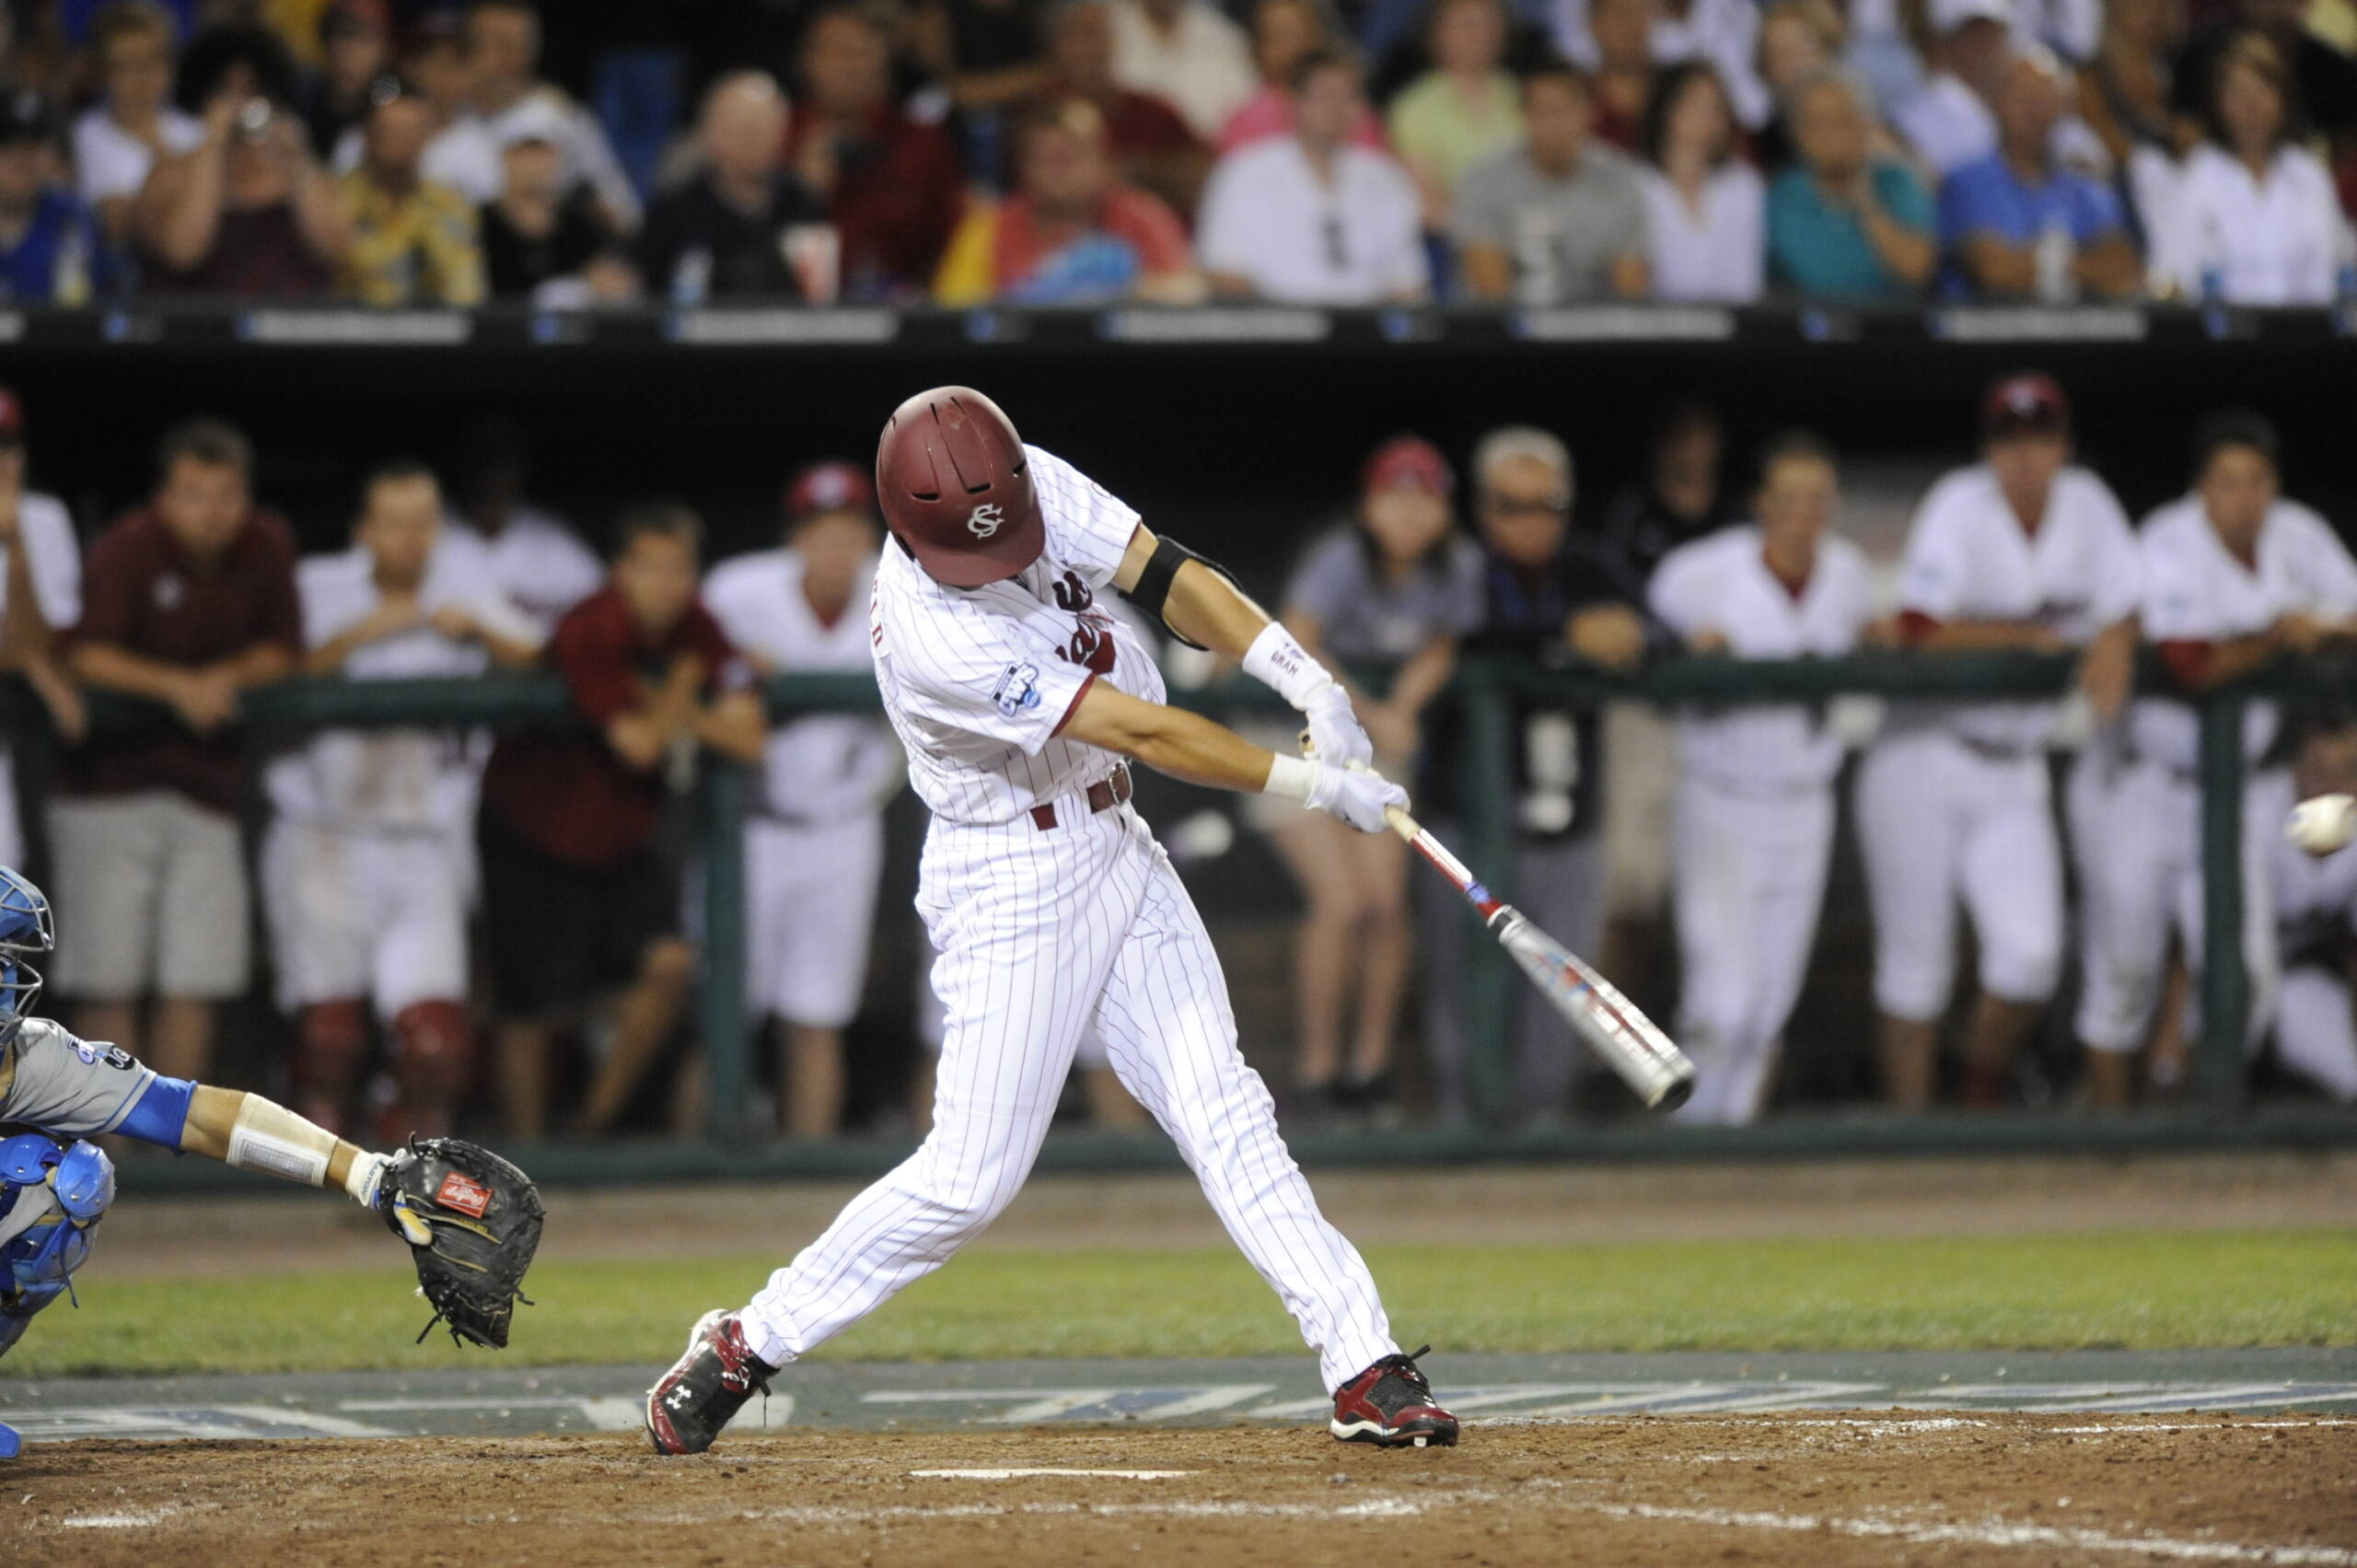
x=1953 y=799
x=53 y=557
x=364 y=889
x=2316 y=919
x=1054 y=911
x=2197 y=591
x=814 y=847
x=1754 y=807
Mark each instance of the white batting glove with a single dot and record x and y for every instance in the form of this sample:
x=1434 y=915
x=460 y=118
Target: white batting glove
x=1334 y=733
x=1356 y=796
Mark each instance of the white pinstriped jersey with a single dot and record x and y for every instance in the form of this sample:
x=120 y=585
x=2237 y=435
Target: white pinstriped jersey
x=978 y=680
x=823 y=767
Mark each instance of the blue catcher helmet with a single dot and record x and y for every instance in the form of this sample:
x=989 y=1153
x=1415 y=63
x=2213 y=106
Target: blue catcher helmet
x=25 y=927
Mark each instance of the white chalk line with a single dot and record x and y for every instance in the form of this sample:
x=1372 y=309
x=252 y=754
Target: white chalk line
x=1014 y=1472
x=129 y=1519
x=1993 y=1532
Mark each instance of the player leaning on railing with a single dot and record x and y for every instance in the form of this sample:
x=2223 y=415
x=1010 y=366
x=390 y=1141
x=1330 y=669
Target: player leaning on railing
x=472 y=1219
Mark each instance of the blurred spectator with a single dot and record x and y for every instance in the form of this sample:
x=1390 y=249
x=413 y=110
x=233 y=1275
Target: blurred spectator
x=1072 y=234
x=133 y=124
x=1464 y=110
x=728 y=232
x=1705 y=208
x=2236 y=578
x=365 y=899
x=990 y=55
x=2254 y=219
x=1680 y=497
x=2025 y=550
x=2016 y=226
x=1663 y=33
x=2068 y=29
x=1309 y=218
x=892 y=187
x=1185 y=52
x=541 y=240
x=40 y=596
x=814 y=849
x=248 y=214
x=2322 y=79
x=188 y=601
x=2316 y=915
x=413 y=241
x=1283 y=32
x=2125 y=91
x=1755 y=806
x=1846 y=223
x=1949 y=122
x=1797 y=38
x=503 y=55
x=1558 y=218
x=51 y=252
x=530 y=555
x=1394 y=590
x=1621 y=82
x=1546 y=600
x=576 y=895
x=464 y=154
x=1150 y=144
x=356 y=47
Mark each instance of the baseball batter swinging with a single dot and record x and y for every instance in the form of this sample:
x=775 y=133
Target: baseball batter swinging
x=1054 y=909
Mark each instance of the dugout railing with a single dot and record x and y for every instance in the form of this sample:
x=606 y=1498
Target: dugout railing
x=2215 y=1113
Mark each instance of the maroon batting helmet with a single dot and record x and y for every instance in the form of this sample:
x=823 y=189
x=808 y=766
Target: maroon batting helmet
x=955 y=487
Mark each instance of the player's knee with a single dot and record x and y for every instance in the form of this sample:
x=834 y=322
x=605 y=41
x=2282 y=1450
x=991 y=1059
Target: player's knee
x=2023 y=973
x=433 y=1047
x=330 y=1041
x=1913 y=989
x=669 y=961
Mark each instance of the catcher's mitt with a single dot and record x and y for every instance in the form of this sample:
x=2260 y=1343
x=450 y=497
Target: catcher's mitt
x=472 y=1222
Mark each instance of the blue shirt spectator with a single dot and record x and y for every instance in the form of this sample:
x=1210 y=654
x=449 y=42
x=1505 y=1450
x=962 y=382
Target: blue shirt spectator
x=1821 y=247
x=56 y=257
x=1989 y=197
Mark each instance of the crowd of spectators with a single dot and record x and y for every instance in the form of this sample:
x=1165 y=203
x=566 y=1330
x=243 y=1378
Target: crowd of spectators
x=379 y=847
x=1077 y=151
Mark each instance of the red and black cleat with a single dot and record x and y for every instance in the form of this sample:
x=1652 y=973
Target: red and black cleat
x=705 y=1387
x=1391 y=1405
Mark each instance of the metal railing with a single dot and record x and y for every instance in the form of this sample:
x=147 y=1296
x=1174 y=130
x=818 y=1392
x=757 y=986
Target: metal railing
x=1487 y=690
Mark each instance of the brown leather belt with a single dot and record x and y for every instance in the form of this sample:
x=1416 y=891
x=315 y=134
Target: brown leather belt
x=1103 y=796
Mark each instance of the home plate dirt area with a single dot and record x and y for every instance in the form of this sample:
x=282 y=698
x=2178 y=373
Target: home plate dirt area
x=1820 y=1488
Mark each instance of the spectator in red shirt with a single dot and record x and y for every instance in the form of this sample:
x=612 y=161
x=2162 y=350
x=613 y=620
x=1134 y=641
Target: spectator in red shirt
x=188 y=601
x=1072 y=234
x=892 y=186
x=576 y=892
x=1150 y=144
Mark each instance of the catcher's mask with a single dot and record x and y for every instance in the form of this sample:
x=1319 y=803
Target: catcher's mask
x=25 y=927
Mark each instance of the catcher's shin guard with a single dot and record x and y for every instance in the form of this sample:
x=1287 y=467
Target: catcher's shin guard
x=432 y=1063
x=1390 y=1405
x=331 y=1038
x=706 y=1387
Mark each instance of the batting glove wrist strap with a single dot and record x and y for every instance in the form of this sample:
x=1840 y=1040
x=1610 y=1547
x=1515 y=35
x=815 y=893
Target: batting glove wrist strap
x=1282 y=663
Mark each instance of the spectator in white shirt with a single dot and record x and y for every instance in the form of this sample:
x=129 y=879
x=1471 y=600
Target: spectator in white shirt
x=1950 y=122
x=1724 y=32
x=40 y=595
x=1704 y=205
x=116 y=142
x=1186 y=53
x=1309 y=218
x=2254 y=220
x=504 y=47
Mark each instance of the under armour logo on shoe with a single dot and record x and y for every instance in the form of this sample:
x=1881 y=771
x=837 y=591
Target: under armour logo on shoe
x=984 y=519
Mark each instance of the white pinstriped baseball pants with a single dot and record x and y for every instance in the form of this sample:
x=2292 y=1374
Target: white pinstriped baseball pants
x=1042 y=935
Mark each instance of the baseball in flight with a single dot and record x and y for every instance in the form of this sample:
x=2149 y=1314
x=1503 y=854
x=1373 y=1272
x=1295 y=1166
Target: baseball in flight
x=2323 y=823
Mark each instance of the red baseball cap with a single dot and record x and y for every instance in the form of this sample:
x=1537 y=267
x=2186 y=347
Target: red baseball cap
x=2029 y=404
x=12 y=418
x=1410 y=461
x=831 y=485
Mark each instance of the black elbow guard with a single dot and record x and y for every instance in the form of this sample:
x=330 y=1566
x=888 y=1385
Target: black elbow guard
x=1152 y=592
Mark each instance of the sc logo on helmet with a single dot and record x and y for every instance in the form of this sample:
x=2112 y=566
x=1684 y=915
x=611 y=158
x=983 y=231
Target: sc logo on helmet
x=985 y=520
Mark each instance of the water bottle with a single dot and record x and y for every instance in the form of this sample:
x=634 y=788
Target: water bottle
x=2056 y=252
x=2344 y=263
x=692 y=278
x=69 y=276
x=2214 y=262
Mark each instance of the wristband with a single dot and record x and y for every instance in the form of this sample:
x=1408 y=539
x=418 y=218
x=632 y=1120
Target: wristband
x=1289 y=777
x=1283 y=665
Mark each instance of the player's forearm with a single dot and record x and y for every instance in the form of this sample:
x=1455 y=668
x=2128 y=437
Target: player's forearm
x=113 y=668
x=733 y=726
x=1169 y=740
x=253 y=1134
x=1206 y=608
x=260 y=663
x=508 y=653
x=1978 y=636
x=1421 y=677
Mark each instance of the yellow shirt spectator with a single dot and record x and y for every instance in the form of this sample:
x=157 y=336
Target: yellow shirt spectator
x=416 y=247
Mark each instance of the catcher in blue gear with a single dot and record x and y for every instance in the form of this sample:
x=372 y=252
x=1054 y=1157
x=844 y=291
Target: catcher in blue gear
x=471 y=1220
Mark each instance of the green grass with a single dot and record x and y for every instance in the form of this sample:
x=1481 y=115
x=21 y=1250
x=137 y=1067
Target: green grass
x=2141 y=1291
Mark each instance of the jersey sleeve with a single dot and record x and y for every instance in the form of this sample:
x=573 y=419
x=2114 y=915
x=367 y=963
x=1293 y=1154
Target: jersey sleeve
x=499 y=614
x=56 y=559
x=959 y=670
x=2328 y=574
x=1679 y=594
x=2177 y=610
x=1933 y=576
x=2120 y=581
x=1090 y=525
